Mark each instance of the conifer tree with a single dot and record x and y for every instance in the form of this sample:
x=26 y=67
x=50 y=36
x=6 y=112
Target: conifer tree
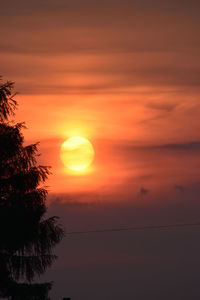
x=26 y=237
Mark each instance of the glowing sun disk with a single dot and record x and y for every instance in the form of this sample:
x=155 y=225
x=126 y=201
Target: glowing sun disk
x=77 y=153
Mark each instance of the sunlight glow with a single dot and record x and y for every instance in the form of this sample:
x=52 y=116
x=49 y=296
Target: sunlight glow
x=77 y=153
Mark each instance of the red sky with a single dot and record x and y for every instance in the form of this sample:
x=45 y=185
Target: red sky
x=125 y=75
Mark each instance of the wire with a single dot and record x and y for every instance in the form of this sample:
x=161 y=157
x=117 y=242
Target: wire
x=146 y=227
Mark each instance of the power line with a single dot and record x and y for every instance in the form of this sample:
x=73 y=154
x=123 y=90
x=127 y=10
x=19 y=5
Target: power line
x=146 y=227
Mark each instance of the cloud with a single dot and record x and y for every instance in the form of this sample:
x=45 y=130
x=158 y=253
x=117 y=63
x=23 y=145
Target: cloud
x=179 y=188
x=10 y=7
x=168 y=107
x=143 y=191
x=190 y=146
x=115 y=46
x=61 y=27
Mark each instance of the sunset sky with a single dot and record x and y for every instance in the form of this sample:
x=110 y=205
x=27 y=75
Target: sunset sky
x=125 y=75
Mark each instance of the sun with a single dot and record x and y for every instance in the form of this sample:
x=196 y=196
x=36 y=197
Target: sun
x=77 y=153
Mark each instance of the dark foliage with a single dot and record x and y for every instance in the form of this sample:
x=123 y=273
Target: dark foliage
x=26 y=238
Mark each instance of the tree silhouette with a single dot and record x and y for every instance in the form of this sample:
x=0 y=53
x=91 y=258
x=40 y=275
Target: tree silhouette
x=26 y=237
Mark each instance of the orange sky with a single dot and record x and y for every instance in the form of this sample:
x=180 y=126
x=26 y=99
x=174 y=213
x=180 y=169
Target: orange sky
x=122 y=75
